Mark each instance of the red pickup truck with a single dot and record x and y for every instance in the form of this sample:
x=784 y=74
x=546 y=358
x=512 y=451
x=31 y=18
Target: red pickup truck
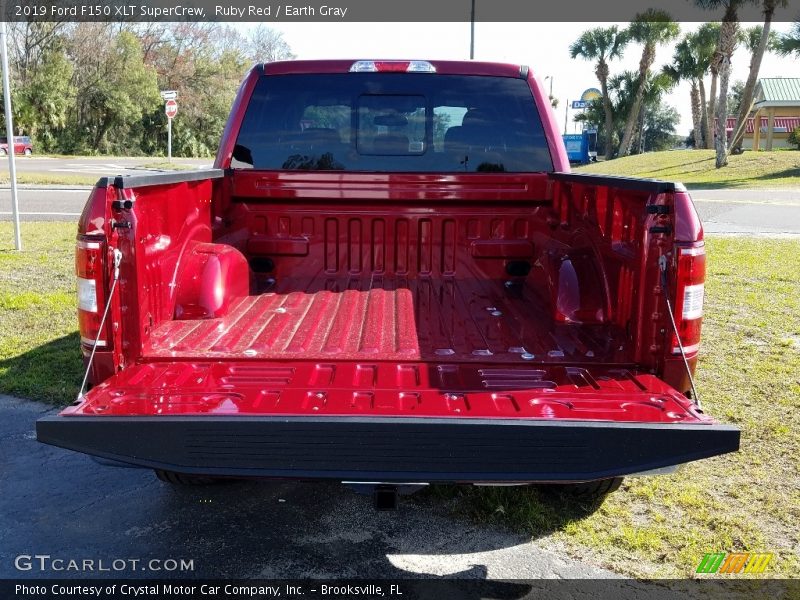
x=390 y=276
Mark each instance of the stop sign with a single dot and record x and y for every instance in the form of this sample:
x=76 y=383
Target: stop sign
x=171 y=109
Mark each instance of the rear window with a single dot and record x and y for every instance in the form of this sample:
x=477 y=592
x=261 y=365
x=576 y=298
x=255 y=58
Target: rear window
x=395 y=122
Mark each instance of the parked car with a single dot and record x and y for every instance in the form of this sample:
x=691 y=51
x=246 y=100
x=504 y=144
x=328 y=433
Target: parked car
x=389 y=278
x=22 y=145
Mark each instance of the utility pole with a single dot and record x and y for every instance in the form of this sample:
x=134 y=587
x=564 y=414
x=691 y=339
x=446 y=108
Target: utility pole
x=12 y=165
x=566 y=116
x=472 y=32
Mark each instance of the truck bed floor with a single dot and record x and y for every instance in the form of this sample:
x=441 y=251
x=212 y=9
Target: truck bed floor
x=380 y=318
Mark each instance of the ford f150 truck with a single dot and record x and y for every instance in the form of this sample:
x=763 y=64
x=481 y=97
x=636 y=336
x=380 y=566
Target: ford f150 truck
x=390 y=275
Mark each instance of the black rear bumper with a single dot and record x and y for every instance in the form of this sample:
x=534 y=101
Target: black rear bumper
x=390 y=449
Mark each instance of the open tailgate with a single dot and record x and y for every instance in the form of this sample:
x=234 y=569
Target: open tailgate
x=386 y=421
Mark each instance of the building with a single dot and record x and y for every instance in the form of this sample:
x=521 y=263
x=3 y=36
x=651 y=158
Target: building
x=777 y=111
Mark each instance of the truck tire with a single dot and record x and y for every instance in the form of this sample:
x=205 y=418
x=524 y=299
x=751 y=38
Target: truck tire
x=183 y=478
x=589 y=490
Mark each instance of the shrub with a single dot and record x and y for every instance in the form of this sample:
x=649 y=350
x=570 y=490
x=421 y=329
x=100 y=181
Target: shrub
x=794 y=138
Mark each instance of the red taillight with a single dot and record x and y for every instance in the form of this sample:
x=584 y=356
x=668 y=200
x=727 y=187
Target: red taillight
x=689 y=292
x=90 y=270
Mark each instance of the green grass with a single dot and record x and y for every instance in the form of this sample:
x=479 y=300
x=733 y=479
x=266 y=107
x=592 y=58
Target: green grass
x=749 y=375
x=696 y=169
x=39 y=350
x=33 y=178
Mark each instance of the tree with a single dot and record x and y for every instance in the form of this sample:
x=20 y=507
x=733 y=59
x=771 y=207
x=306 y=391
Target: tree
x=204 y=63
x=42 y=102
x=735 y=96
x=758 y=40
x=660 y=123
x=93 y=87
x=41 y=74
x=650 y=28
x=268 y=45
x=704 y=42
x=601 y=44
x=622 y=90
x=726 y=44
x=114 y=89
x=789 y=43
x=687 y=66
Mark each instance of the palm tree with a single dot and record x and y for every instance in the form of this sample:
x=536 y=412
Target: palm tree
x=650 y=28
x=705 y=42
x=789 y=43
x=726 y=44
x=758 y=40
x=622 y=91
x=602 y=44
x=686 y=65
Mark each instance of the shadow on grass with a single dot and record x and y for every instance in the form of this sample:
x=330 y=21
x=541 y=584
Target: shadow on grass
x=793 y=172
x=678 y=165
x=51 y=372
x=536 y=511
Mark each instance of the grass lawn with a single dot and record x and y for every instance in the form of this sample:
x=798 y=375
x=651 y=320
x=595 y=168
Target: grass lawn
x=30 y=178
x=696 y=168
x=749 y=375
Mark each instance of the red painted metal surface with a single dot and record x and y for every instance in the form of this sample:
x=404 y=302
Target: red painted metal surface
x=387 y=388
x=478 y=188
x=475 y=283
x=393 y=319
x=443 y=67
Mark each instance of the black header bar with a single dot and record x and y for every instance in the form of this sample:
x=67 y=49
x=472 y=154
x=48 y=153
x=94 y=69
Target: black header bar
x=268 y=11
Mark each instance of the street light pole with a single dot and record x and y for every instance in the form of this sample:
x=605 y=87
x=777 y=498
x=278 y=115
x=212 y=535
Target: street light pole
x=12 y=166
x=472 y=32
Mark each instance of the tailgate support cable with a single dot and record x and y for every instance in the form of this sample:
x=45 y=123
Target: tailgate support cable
x=662 y=264
x=117 y=261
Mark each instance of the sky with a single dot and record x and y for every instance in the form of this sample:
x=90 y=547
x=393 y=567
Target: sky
x=542 y=46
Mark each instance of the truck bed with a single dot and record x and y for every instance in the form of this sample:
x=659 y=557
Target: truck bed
x=394 y=319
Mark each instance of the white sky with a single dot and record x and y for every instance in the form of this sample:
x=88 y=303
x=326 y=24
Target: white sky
x=542 y=46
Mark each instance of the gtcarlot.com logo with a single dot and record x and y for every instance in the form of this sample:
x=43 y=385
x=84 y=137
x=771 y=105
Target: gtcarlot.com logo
x=48 y=563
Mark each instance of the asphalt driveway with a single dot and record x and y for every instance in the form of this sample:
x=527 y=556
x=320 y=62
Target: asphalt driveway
x=66 y=505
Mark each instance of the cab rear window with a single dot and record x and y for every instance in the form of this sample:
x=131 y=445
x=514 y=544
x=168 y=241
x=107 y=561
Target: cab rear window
x=392 y=122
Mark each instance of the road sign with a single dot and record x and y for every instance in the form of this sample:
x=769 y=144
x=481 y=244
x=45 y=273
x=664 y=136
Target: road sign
x=171 y=109
x=169 y=95
x=579 y=104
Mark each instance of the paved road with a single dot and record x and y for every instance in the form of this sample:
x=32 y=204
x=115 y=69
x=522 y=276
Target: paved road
x=750 y=212
x=756 y=212
x=92 y=165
